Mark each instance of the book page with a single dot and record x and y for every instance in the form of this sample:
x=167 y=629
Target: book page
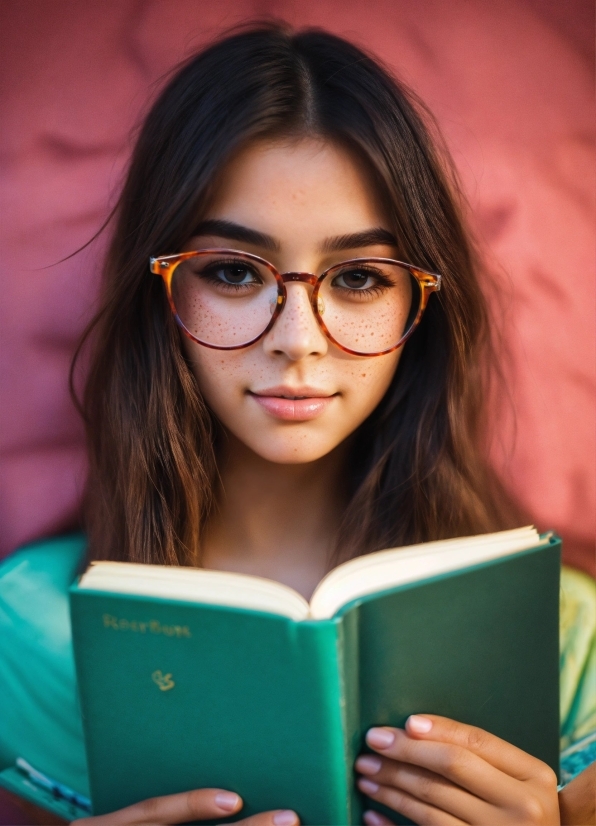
x=382 y=570
x=196 y=585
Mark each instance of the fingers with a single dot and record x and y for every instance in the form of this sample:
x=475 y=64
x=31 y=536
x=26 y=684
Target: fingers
x=452 y=762
x=200 y=804
x=421 y=784
x=500 y=754
x=402 y=802
x=279 y=817
x=440 y=772
x=372 y=818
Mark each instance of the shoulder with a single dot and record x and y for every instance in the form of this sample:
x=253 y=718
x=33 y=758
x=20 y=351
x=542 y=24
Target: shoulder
x=44 y=567
x=41 y=719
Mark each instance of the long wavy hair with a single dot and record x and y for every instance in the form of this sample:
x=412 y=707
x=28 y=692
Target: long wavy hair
x=417 y=470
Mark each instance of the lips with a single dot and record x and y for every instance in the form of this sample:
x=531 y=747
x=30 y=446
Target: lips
x=299 y=404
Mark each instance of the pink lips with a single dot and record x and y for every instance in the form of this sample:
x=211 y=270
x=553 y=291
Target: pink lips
x=310 y=404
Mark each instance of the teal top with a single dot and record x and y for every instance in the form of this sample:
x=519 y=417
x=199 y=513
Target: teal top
x=41 y=720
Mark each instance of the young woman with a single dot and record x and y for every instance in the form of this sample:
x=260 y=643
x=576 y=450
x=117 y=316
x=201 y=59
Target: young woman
x=286 y=386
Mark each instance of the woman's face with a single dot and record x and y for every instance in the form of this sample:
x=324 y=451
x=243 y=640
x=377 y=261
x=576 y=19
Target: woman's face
x=294 y=396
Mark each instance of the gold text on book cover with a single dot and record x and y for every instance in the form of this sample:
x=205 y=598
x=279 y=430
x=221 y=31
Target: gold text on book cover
x=144 y=627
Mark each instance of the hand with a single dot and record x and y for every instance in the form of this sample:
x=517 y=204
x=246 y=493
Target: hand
x=200 y=804
x=577 y=801
x=442 y=773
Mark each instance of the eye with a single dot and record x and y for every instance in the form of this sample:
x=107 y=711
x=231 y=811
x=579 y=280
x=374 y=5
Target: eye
x=233 y=273
x=355 y=279
x=365 y=282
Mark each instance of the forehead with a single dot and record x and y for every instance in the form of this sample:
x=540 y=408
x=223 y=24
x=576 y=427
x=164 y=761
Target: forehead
x=308 y=185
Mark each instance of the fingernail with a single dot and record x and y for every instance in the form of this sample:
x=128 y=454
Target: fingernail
x=380 y=738
x=368 y=764
x=367 y=786
x=285 y=818
x=227 y=801
x=418 y=724
x=372 y=818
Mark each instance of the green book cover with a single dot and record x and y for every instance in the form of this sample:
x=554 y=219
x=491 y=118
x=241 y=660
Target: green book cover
x=178 y=694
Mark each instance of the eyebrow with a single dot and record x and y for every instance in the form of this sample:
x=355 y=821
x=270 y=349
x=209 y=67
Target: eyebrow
x=366 y=238
x=237 y=232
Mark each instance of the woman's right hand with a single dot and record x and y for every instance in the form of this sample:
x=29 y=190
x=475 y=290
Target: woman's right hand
x=200 y=804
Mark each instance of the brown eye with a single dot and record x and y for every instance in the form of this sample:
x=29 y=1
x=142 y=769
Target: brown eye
x=232 y=274
x=355 y=280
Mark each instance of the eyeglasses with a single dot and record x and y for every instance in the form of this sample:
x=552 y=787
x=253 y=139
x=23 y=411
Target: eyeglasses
x=226 y=299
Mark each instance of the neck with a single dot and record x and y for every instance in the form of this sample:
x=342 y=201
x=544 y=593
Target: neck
x=273 y=520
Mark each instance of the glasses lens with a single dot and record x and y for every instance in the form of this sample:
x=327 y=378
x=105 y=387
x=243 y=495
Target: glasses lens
x=369 y=306
x=224 y=300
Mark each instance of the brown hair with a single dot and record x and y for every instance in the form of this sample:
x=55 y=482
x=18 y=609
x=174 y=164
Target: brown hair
x=417 y=469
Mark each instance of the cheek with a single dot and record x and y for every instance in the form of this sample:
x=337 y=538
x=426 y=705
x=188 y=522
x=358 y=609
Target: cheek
x=370 y=380
x=218 y=374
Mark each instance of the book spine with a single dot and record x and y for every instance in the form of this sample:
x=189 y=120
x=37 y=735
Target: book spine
x=348 y=647
x=323 y=647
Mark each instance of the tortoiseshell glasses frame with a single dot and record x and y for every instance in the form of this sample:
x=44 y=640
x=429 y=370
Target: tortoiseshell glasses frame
x=166 y=265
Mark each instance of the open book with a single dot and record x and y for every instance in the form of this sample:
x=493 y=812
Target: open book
x=191 y=677
x=356 y=578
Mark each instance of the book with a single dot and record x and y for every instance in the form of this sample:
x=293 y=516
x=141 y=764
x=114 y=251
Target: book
x=193 y=678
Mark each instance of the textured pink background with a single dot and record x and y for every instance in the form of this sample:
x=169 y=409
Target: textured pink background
x=511 y=82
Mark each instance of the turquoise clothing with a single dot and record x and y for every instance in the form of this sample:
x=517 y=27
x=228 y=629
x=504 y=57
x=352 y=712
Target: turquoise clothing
x=41 y=719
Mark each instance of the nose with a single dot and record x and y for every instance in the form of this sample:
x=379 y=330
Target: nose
x=296 y=333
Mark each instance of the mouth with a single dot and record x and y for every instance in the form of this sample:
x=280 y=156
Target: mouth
x=293 y=404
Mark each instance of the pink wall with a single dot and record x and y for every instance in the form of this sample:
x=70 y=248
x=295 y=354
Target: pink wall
x=511 y=82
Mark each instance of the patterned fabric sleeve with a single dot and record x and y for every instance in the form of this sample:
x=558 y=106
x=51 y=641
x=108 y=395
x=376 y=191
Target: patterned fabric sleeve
x=578 y=672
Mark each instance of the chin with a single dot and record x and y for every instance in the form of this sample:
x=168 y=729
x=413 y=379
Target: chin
x=289 y=451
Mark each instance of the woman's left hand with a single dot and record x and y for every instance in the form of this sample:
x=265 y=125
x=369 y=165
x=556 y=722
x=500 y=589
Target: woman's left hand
x=442 y=773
